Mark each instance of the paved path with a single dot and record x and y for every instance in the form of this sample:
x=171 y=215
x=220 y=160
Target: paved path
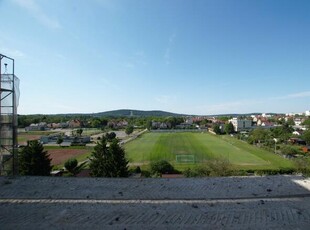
x=278 y=202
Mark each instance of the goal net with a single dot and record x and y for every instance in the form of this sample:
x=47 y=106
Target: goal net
x=185 y=158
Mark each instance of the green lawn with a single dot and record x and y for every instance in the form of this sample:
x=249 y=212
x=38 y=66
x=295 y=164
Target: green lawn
x=205 y=147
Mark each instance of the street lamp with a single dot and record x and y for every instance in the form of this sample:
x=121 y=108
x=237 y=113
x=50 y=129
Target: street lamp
x=275 y=144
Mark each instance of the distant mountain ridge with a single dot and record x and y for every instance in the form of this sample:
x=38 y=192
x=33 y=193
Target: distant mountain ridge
x=148 y=113
x=137 y=113
x=160 y=113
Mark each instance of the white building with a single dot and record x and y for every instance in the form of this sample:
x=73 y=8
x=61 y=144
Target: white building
x=241 y=125
x=307 y=113
x=266 y=115
x=189 y=120
x=298 y=121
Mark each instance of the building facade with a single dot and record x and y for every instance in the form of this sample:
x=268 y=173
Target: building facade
x=241 y=124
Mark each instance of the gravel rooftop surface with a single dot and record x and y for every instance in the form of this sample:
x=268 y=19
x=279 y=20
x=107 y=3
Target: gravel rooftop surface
x=271 y=202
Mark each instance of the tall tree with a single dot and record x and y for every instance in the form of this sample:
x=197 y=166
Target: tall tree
x=129 y=129
x=118 y=159
x=229 y=128
x=79 y=132
x=217 y=129
x=306 y=136
x=307 y=122
x=59 y=140
x=290 y=121
x=34 y=161
x=108 y=161
x=110 y=136
x=259 y=135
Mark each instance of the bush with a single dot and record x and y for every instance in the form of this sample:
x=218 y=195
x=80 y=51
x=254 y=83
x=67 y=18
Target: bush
x=78 y=144
x=289 y=151
x=145 y=173
x=161 y=166
x=70 y=164
x=73 y=167
x=219 y=167
x=196 y=172
x=263 y=172
x=239 y=173
x=286 y=171
x=138 y=169
x=303 y=166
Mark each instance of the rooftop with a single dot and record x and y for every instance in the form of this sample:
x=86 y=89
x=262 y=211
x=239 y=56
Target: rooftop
x=208 y=203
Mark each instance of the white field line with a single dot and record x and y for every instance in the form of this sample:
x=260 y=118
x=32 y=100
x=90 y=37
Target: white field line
x=133 y=201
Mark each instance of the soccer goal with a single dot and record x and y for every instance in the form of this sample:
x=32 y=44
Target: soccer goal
x=185 y=158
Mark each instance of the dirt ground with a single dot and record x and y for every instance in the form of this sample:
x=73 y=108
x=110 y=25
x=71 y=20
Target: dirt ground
x=59 y=156
x=23 y=138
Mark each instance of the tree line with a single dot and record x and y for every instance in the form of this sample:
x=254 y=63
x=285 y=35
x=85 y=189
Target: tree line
x=96 y=122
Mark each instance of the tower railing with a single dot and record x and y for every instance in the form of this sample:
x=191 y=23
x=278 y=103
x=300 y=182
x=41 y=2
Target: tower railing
x=9 y=96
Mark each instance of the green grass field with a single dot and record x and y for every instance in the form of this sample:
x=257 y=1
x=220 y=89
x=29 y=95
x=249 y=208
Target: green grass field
x=205 y=147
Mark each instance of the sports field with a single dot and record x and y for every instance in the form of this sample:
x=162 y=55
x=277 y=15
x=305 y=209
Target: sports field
x=189 y=149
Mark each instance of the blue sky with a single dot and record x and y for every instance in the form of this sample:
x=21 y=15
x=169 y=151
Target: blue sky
x=185 y=56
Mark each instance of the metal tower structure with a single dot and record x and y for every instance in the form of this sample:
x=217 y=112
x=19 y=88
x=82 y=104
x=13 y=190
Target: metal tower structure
x=9 y=97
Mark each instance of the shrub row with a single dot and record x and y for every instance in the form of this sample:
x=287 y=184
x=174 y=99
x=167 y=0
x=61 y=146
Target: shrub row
x=206 y=172
x=219 y=168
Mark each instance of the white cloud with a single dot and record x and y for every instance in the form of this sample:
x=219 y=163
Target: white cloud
x=136 y=59
x=13 y=53
x=139 y=53
x=108 y=84
x=250 y=105
x=166 y=99
x=238 y=106
x=167 y=57
x=35 y=11
x=129 y=65
x=61 y=57
x=107 y=4
x=295 y=95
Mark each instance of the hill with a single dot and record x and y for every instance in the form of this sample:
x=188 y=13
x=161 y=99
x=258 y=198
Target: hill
x=136 y=113
x=141 y=113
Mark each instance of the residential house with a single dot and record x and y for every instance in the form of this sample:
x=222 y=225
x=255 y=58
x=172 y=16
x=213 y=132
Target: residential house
x=298 y=121
x=298 y=132
x=67 y=140
x=184 y=125
x=75 y=123
x=265 y=115
x=241 y=124
x=61 y=125
x=298 y=141
x=189 y=120
x=159 y=125
x=163 y=126
x=255 y=118
x=122 y=124
x=261 y=120
x=306 y=149
x=37 y=127
x=267 y=124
